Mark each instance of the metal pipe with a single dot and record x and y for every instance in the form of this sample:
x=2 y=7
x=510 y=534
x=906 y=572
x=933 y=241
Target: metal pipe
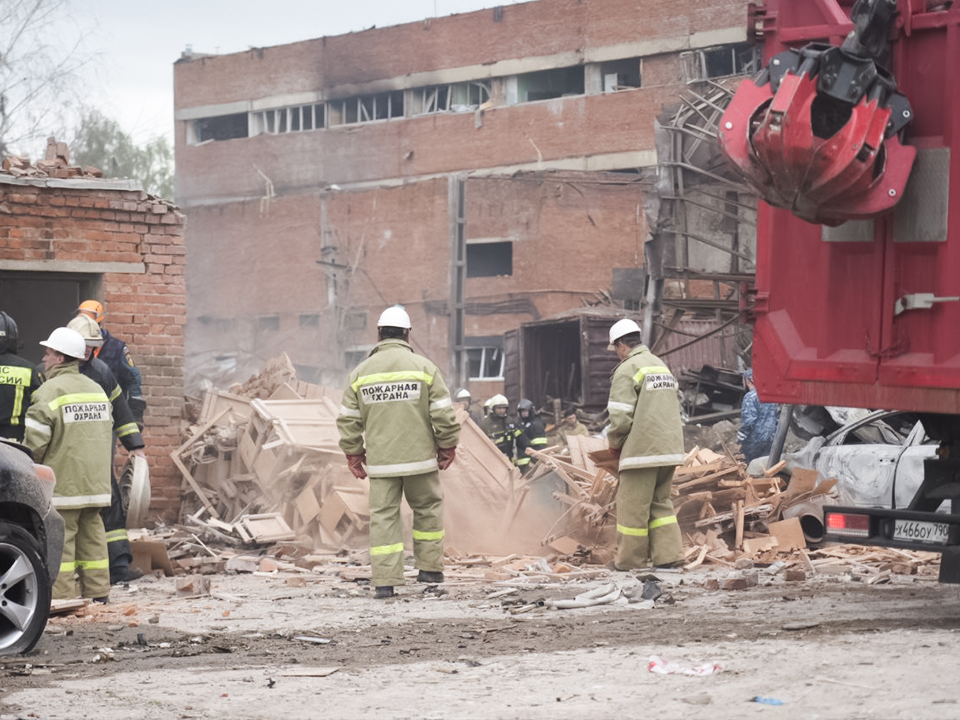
x=780 y=437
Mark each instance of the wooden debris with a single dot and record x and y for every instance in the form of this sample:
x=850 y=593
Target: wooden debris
x=270 y=446
x=264 y=476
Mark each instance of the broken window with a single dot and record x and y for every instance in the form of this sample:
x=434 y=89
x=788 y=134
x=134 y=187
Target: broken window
x=549 y=84
x=735 y=59
x=621 y=74
x=457 y=97
x=289 y=119
x=489 y=259
x=486 y=361
x=268 y=323
x=366 y=108
x=222 y=127
x=355 y=320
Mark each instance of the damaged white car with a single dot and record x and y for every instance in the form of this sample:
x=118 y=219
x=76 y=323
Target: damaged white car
x=877 y=460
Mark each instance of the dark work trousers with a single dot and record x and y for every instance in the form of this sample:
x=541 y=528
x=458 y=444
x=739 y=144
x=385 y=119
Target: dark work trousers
x=115 y=525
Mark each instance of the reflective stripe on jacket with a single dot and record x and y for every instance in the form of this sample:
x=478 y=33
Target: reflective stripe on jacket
x=644 y=412
x=18 y=381
x=506 y=435
x=535 y=432
x=70 y=428
x=397 y=408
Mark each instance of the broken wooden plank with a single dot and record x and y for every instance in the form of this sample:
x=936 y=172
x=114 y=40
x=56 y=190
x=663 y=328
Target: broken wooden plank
x=175 y=456
x=267 y=527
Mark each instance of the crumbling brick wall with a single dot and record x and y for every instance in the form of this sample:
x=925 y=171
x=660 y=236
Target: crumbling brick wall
x=49 y=226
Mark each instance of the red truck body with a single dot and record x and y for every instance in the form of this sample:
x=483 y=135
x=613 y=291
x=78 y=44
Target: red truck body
x=855 y=123
x=827 y=326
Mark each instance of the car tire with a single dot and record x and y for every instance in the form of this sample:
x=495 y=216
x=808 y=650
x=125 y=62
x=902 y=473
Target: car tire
x=24 y=590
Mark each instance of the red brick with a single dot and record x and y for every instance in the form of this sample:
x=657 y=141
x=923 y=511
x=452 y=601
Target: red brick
x=38 y=229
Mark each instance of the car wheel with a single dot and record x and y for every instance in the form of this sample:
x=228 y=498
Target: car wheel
x=24 y=590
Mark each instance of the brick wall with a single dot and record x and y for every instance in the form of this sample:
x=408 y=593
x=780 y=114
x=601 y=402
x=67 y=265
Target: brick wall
x=393 y=245
x=560 y=129
x=525 y=30
x=258 y=205
x=58 y=227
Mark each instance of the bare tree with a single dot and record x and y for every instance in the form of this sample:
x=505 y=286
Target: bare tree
x=38 y=70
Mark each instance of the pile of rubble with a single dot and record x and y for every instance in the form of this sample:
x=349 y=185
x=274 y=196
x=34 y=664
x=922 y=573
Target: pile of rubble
x=266 y=487
x=262 y=464
x=55 y=164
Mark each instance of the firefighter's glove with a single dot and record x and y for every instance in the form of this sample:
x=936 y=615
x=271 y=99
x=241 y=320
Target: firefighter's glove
x=445 y=457
x=356 y=463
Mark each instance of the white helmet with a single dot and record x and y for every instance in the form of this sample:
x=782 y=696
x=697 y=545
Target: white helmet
x=67 y=342
x=498 y=400
x=463 y=394
x=88 y=328
x=626 y=326
x=394 y=316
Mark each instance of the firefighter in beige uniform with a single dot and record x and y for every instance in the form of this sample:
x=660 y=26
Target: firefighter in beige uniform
x=69 y=426
x=397 y=418
x=647 y=434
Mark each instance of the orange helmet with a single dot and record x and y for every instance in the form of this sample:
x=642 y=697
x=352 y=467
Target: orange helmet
x=92 y=308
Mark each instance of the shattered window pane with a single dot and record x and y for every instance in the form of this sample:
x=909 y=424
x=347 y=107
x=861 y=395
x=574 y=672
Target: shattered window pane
x=549 y=84
x=222 y=127
x=489 y=259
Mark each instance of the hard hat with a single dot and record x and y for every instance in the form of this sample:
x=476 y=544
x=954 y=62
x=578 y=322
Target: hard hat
x=463 y=394
x=88 y=328
x=626 y=326
x=498 y=400
x=94 y=308
x=8 y=333
x=66 y=341
x=394 y=316
x=525 y=405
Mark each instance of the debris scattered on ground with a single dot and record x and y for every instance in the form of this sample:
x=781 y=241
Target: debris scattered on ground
x=267 y=491
x=666 y=667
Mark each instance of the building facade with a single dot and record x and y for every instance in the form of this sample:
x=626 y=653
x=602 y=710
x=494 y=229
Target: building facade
x=483 y=170
x=63 y=241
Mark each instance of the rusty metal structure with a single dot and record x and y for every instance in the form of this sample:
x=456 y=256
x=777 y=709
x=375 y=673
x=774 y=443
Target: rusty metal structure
x=702 y=248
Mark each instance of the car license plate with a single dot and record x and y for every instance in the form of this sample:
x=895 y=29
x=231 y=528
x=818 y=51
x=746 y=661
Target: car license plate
x=926 y=532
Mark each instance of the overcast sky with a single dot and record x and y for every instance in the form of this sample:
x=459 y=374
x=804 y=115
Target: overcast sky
x=134 y=44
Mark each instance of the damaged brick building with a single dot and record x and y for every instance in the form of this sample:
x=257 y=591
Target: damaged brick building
x=484 y=170
x=67 y=239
